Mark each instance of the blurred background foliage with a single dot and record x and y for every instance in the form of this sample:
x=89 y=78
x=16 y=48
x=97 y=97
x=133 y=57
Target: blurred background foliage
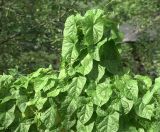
x=31 y=32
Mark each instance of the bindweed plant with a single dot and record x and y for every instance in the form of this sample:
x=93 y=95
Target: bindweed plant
x=91 y=93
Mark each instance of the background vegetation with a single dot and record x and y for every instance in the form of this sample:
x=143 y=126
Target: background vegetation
x=31 y=32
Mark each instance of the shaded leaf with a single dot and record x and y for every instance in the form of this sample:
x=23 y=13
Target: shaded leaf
x=6 y=118
x=110 y=57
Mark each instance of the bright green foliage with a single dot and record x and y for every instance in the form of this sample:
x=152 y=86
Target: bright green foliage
x=91 y=93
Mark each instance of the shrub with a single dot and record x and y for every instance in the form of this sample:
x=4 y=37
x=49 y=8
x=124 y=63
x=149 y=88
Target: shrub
x=92 y=92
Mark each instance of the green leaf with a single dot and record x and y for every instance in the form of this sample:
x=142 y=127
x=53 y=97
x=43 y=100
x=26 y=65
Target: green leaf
x=101 y=112
x=53 y=93
x=109 y=123
x=147 y=97
x=155 y=127
x=70 y=26
x=72 y=106
x=40 y=102
x=62 y=73
x=50 y=84
x=5 y=79
x=145 y=111
x=141 y=130
x=101 y=72
x=126 y=104
x=70 y=37
x=68 y=44
x=131 y=129
x=90 y=90
x=23 y=127
x=96 y=52
x=74 y=54
x=40 y=83
x=145 y=79
x=49 y=117
x=93 y=26
x=116 y=105
x=76 y=86
x=7 y=118
x=84 y=128
x=6 y=99
x=68 y=124
x=156 y=85
x=102 y=94
x=113 y=34
x=128 y=128
x=87 y=64
x=85 y=113
x=22 y=103
x=131 y=89
x=39 y=72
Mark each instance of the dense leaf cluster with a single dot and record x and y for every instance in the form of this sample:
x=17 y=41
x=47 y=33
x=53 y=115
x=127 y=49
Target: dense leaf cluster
x=91 y=93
